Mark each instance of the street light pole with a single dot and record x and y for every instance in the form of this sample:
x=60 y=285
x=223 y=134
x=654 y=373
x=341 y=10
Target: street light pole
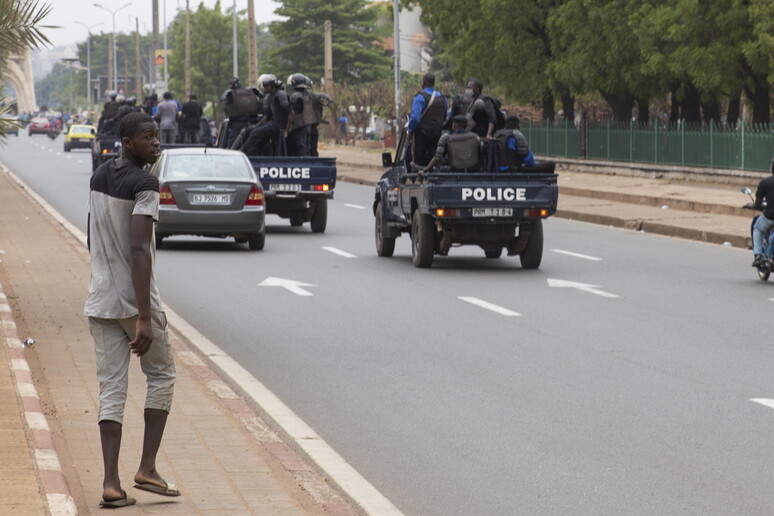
x=115 y=57
x=88 y=61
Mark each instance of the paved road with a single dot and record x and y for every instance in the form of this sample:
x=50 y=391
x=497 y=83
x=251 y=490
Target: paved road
x=623 y=385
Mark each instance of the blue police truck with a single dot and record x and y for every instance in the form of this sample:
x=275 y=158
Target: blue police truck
x=493 y=210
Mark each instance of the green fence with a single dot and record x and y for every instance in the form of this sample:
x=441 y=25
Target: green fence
x=744 y=147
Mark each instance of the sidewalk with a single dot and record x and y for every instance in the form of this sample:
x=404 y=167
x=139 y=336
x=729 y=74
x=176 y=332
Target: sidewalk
x=219 y=452
x=708 y=212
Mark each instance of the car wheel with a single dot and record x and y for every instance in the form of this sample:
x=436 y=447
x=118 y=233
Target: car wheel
x=296 y=219
x=66 y=148
x=385 y=246
x=422 y=240
x=320 y=216
x=533 y=253
x=256 y=241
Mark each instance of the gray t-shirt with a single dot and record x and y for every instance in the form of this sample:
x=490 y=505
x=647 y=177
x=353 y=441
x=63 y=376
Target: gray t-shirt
x=119 y=190
x=167 y=114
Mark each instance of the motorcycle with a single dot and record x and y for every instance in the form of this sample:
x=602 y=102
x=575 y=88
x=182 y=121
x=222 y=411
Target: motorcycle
x=53 y=133
x=767 y=264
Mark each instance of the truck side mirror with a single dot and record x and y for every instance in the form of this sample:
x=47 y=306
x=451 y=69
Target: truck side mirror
x=387 y=159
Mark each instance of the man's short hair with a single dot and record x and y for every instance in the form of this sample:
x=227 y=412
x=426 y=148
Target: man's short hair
x=131 y=123
x=192 y=96
x=167 y=95
x=476 y=83
x=512 y=122
x=428 y=79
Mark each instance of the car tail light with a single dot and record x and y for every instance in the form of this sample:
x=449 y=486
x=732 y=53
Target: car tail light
x=441 y=212
x=165 y=196
x=320 y=188
x=255 y=197
x=537 y=212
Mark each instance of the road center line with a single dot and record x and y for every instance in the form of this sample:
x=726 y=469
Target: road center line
x=488 y=306
x=578 y=255
x=766 y=402
x=339 y=252
x=356 y=206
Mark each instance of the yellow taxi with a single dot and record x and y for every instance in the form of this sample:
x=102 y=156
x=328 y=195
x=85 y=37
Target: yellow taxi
x=79 y=136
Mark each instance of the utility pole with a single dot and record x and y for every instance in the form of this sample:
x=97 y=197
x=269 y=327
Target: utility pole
x=88 y=63
x=138 y=68
x=115 y=58
x=155 y=42
x=252 y=46
x=328 y=86
x=234 y=42
x=110 y=63
x=187 y=49
x=396 y=18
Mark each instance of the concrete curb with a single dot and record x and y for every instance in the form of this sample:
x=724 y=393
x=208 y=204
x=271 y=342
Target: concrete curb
x=54 y=486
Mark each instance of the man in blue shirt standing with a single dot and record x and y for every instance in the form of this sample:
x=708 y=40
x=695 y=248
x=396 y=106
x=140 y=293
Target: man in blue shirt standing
x=428 y=114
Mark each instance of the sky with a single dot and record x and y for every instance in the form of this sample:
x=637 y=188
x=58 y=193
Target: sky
x=64 y=13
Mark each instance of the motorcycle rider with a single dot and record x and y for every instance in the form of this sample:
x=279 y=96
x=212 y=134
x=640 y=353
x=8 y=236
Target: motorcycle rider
x=765 y=221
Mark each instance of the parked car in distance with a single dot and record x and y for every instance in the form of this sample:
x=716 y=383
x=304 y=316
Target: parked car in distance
x=38 y=125
x=79 y=136
x=209 y=192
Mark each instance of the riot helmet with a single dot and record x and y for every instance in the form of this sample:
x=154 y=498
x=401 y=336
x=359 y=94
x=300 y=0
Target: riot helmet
x=298 y=80
x=234 y=83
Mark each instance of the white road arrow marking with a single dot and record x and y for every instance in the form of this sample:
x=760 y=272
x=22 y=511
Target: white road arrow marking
x=489 y=306
x=292 y=285
x=339 y=252
x=766 y=402
x=591 y=289
x=356 y=206
x=578 y=255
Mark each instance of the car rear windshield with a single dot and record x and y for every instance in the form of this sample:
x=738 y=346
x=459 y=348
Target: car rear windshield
x=81 y=129
x=203 y=166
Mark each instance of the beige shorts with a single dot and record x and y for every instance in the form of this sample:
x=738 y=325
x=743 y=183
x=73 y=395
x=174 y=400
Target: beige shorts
x=111 y=345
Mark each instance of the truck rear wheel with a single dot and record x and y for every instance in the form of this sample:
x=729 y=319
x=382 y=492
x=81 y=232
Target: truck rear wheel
x=385 y=246
x=422 y=240
x=320 y=216
x=533 y=253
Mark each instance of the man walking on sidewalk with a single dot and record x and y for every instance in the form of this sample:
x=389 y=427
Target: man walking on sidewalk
x=123 y=305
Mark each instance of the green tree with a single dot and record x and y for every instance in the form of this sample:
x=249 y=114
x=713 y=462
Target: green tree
x=358 y=56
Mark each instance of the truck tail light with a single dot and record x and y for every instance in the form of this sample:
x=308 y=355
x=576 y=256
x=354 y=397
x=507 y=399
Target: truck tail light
x=255 y=197
x=165 y=196
x=441 y=212
x=320 y=188
x=537 y=212
x=105 y=151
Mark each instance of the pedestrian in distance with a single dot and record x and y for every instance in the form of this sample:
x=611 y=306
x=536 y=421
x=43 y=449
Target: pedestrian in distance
x=764 y=201
x=166 y=116
x=123 y=305
x=342 y=137
x=191 y=116
x=428 y=113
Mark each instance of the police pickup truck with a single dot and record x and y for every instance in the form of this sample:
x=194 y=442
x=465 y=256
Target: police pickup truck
x=295 y=188
x=493 y=210
x=104 y=147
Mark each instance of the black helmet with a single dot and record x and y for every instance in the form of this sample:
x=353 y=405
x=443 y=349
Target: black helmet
x=234 y=83
x=298 y=80
x=267 y=78
x=308 y=81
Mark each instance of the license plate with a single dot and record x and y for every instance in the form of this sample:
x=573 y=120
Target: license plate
x=281 y=187
x=493 y=212
x=211 y=199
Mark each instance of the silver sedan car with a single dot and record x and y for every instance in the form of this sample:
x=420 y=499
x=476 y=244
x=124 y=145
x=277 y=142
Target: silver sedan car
x=209 y=192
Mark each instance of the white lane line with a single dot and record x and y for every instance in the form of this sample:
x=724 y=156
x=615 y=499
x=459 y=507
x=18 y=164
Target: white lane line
x=356 y=206
x=766 y=402
x=578 y=255
x=591 y=289
x=79 y=161
x=489 y=306
x=339 y=252
x=340 y=471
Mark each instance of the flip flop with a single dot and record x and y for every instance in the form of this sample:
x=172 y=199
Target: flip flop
x=115 y=504
x=165 y=490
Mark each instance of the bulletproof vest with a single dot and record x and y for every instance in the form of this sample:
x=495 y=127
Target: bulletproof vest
x=317 y=105
x=243 y=102
x=280 y=108
x=463 y=150
x=111 y=109
x=307 y=116
x=465 y=102
x=433 y=115
x=480 y=120
x=509 y=157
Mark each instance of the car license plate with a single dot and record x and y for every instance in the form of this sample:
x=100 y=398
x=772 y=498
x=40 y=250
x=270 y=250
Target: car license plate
x=493 y=212
x=211 y=199
x=282 y=187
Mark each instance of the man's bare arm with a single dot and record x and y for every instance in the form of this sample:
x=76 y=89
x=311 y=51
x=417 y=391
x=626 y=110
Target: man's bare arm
x=142 y=267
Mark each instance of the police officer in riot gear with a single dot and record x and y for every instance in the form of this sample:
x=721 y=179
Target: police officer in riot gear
x=460 y=149
x=512 y=147
x=274 y=124
x=481 y=112
x=428 y=113
x=301 y=116
x=242 y=106
x=319 y=101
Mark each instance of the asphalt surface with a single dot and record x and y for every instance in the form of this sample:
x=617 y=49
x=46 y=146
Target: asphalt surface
x=623 y=385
